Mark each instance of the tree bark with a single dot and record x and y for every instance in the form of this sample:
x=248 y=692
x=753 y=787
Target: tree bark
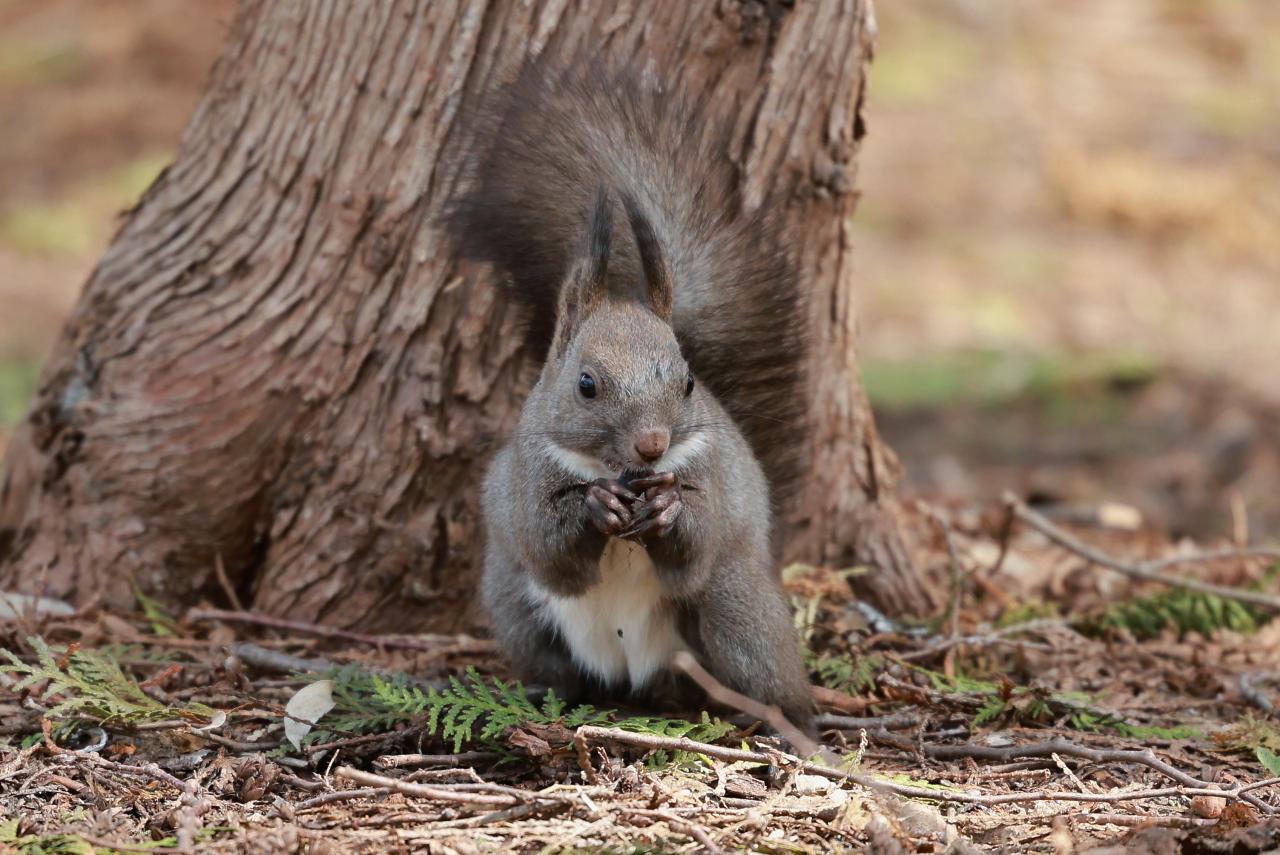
x=279 y=366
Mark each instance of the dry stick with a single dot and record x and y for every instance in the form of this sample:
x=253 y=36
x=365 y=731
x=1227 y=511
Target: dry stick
x=1144 y=757
x=343 y=796
x=1128 y=821
x=450 y=761
x=768 y=713
x=507 y=798
x=225 y=583
x=275 y=660
x=737 y=755
x=896 y=721
x=353 y=740
x=471 y=644
x=999 y=636
x=676 y=823
x=1254 y=695
x=237 y=746
x=839 y=701
x=300 y=783
x=1151 y=570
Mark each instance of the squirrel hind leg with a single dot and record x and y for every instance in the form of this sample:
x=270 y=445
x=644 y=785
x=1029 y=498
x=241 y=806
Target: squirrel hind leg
x=750 y=645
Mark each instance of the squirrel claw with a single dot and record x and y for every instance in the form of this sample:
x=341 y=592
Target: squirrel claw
x=662 y=480
x=606 y=510
x=655 y=517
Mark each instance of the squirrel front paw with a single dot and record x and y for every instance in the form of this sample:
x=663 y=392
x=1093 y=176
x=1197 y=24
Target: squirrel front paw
x=608 y=506
x=660 y=505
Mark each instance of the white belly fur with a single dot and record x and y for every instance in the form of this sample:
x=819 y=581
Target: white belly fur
x=621 y=629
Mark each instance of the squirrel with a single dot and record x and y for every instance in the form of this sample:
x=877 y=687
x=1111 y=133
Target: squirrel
x=631 y=513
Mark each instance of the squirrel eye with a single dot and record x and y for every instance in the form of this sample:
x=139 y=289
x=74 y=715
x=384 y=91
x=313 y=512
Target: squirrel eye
x=688 y=387
x=587 y=386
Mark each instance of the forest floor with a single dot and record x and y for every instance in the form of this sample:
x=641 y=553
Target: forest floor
x=1065 y=206
x=1059 y=705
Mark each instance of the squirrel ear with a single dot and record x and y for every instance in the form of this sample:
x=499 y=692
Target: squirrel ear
x=657 y=275
x=587 y=284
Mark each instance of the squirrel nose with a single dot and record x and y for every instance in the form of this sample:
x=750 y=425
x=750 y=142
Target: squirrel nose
x=652 y=444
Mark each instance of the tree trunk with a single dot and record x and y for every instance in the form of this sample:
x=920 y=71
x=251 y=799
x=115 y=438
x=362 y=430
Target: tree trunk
x=280 y=370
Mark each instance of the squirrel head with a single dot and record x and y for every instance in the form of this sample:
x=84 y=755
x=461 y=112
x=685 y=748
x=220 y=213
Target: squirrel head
x=616 y=393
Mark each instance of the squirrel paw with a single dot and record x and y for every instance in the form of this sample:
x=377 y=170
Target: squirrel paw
x=607 y=506
x=657 y=513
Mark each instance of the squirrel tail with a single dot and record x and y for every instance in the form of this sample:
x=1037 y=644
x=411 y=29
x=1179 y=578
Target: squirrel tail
x=539 y=150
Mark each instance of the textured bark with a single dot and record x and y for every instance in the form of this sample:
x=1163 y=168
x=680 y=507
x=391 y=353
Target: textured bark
x=279 y=365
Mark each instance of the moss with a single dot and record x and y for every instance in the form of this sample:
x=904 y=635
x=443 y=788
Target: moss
x=1081 y=384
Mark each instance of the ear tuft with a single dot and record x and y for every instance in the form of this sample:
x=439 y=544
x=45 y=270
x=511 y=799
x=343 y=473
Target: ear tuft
x=587 y=285
x=657 y=275
x=599 y=239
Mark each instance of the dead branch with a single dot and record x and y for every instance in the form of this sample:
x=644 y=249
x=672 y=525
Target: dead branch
x=896 y=721
x=451 y=761
x=1152 y=571
x=1129 y=821
x=349 y=741
x=1254 y=695
x=678 y=824
x=507 y=798
x=342 y=796
x=588 y=732
x=429 y=643
x=1142 y=757
x=839 y=701
x=277 y=661
x=770 y=715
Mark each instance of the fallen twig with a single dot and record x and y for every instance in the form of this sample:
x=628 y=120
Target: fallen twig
x=275 y=660
x=1254 y=695
x=506 y=798
x=895 y=721
x=342 y=796
x=427 y=643
x=770 y=715
x=1152 y=571
x=349 y=741
x=1143 y=757
x=684 y=826
x=1129 y=821
x=605 y=734
x=465 y=758
x=839 y=701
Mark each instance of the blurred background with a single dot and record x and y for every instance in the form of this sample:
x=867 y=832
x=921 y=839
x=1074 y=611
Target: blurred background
x=1069 y=233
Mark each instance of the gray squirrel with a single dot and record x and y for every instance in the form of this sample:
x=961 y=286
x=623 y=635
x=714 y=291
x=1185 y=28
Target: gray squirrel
x=630 y=515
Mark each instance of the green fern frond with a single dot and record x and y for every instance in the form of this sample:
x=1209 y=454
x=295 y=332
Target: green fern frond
x=1180 y=609
x=473 y=709
x=844 y=672
x=89 y=684
x=991 y=709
